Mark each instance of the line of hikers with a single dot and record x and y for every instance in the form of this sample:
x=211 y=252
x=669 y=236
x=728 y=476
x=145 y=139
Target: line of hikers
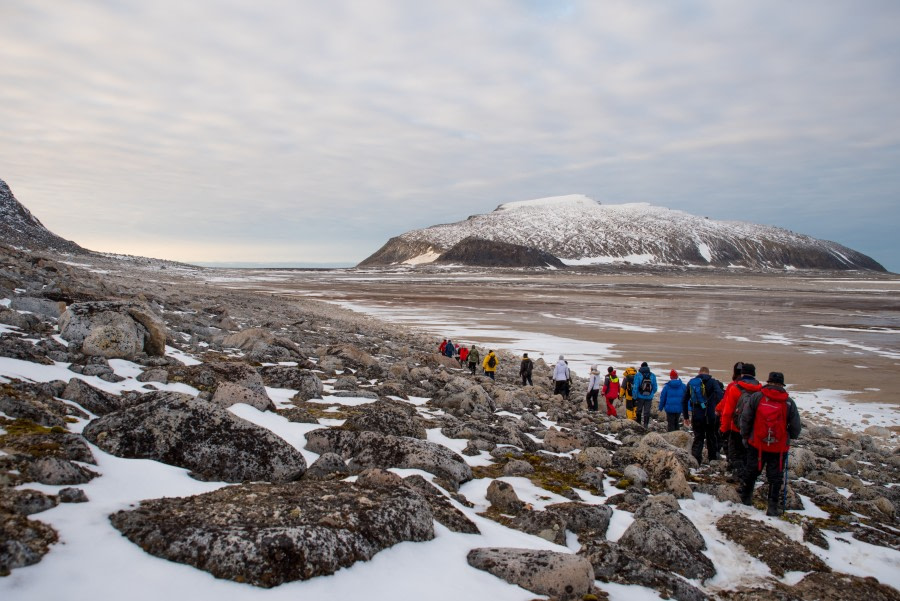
x=470 y=357
x=752 y=423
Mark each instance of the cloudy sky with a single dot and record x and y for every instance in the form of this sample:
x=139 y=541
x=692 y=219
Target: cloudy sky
x=312 y=131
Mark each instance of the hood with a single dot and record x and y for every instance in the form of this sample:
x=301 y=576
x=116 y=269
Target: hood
x=749 y=384
x=705 y=377
x=629 y=371
x=776 y=393
x=645 y=370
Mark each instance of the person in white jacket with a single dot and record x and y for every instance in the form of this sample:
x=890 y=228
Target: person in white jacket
x=561 y=376
x=594 y=389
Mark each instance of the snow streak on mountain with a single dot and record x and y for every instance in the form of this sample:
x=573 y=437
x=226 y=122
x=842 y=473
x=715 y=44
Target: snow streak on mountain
x=581 y=231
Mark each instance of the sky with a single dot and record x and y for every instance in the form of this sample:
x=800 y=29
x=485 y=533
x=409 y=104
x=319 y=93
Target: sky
x=309 y=131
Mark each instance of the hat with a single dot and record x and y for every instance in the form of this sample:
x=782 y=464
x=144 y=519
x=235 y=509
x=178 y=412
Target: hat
x=644 y=364
x=776 y=377
x=609 y=369
x=561 y=357
x=524 y=354
x=673 y=374
x=748 y=369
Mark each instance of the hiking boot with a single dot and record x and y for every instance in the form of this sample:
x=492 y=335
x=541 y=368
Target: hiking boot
x=746 y=495
x=773 y=509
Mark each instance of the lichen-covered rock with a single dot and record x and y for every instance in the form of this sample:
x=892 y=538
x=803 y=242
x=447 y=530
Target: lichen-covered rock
x=72 y=495
x=388 y=417
x=371 y=449
x=229 y=393
x=667 y=539
x=329 y=466
x=23 y=542
x=517 y=467
x=93 y=399
x=562 y=576
x=113 y=329
x=503 y=498
x=444 y=512
x=25 y=502
x=306 y=383
x=595 y=457
x=770 y=546
x=212 y=442
x=586 y=521
x=560 y=442
x=53 y=470
x=269 y=534
x=830 y=586
x=504 y=431
x=613 y=563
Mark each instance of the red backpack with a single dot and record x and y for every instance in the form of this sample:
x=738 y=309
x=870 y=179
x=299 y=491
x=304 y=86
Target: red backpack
x=611 y=392
x=770 y=423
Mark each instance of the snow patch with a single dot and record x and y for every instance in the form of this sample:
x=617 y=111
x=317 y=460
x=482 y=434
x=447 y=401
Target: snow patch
x=430 y=257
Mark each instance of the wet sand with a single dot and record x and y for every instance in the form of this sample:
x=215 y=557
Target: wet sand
x=679 y=320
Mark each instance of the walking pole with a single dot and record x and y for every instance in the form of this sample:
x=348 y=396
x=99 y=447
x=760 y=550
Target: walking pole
x=784 y=494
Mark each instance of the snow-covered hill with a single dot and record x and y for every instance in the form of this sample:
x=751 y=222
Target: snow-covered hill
x=20 y=228
x=581 y=231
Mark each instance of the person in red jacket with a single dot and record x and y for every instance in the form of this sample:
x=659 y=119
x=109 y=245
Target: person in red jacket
x=769 y=422
x=730 y=409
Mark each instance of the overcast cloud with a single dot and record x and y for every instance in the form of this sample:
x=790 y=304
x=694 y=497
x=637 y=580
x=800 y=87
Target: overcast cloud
x=314 y=131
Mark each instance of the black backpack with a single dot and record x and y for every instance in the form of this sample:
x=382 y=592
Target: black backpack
x=492 y=361
x=646 y=387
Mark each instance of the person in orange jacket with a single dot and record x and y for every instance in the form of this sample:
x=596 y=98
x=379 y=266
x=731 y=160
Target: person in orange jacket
x=743 y=385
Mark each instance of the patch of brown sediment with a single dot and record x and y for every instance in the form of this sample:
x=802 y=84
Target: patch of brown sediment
x=699 y=318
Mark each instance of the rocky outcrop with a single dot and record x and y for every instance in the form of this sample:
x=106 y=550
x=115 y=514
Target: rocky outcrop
x=113 y=329
x=266 y=535
x=213 y=443
x=561 y=576
x=387 y=417
x=371 y=449
x=770 y=546
x=228 y=383
x=479 y=252
x=19 y=227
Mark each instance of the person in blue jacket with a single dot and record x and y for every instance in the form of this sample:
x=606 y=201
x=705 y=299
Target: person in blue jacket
x=643 y=393
x=671 y=401
x=701 y=397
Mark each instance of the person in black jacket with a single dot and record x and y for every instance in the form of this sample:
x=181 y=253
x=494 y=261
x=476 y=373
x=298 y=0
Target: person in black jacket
x=768 y=442
x=526 y=369
x=700 y=399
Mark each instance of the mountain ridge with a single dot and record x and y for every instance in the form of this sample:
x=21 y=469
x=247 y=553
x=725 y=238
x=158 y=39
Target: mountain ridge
x=581 y=231
x=19 y=227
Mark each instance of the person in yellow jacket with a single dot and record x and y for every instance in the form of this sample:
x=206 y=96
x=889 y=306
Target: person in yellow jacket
x=625 y=392
x=490 y=364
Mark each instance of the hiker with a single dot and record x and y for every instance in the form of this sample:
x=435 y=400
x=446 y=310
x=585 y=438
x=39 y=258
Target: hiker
x=443 y=348
x=561 y=376
x=769 y=421
x=490 y=365
x=700 y=400
x=643 y=390
x=625 y=392
x=611 y=391
x=525 y=370
x=671 y=399
x=730 y=410
x=474 y=358
x=593 y=390
x=463 y=355
x=449 y=349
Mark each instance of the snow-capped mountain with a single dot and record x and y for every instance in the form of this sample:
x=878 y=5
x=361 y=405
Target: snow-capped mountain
x=581 y=231
x=19 y=227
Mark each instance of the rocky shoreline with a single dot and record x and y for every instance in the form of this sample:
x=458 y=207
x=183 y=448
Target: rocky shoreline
x=286 y=518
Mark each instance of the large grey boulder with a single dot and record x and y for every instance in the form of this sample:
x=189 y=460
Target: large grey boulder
x=53 y=470
x=388 y=417
x=770 y=545
x=229 y=382
x=563 y=576
x=614 y=563
x=269 y=534
x=666 y=538
x=306 y=383
x=96 y=401
x=212 y=442
x=371 y=449
x=113 y=329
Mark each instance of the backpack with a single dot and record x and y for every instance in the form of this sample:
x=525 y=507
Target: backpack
x=646 y=387
x=492 y=361
x=699 y=395
x=612 y=389
x=629 y=385
x=739 y=407
x=770 y=425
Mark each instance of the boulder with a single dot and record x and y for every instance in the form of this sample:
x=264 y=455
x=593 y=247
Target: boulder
x=770 y=546
x=371 y=449
x=329 y=466
x=306 y=383
x=560 y=442
x=23 y=542
x=113 y=329
x=503 y=498
x=517 y=467
x=269 y=534
x=613 y=563
x=25 y=502
x=229 y=393
x=247 y=340
x=53 y=470
x=595 y=457
x=388 y=417
x=829 y=586
x=212 y=442
x=444 y=511
x=562 y=576
x=667 y=539
x=93 y=399
x=637 y=475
